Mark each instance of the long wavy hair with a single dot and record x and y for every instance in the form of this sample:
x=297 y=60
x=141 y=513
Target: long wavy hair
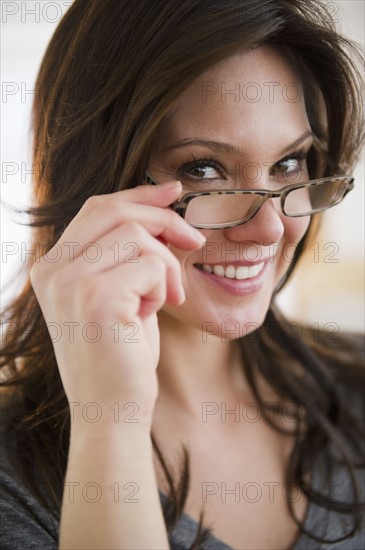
x=106 y=83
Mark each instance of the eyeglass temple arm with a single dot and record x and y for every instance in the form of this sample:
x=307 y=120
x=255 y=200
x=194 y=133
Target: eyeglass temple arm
x=149 y=179
x=319 y=145
x=350 y=186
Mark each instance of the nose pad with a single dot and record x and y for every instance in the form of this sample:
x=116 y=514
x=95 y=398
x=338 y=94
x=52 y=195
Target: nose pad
x=266 y=226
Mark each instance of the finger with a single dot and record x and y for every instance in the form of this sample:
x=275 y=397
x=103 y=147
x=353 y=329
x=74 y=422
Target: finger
x=126 y=245
x=132 y=292
x=155 y=195
x=159 y=222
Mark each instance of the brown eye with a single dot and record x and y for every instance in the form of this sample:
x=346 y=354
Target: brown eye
x=201 y=169
x=287 y=166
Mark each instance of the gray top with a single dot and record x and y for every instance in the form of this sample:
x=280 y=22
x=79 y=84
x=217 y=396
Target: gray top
x=319 y=521
x=26 y=525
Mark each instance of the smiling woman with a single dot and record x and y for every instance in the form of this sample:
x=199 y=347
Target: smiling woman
x=191 y=145
x=270 y=132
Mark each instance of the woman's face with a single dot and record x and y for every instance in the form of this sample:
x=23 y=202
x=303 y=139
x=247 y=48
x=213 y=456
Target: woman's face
x=252 y=105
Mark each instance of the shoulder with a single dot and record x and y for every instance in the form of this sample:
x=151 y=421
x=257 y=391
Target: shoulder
x=333 y=480
x=336 y=476
x=25 y=523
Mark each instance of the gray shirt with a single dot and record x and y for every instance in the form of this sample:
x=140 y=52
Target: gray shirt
x=25 y=524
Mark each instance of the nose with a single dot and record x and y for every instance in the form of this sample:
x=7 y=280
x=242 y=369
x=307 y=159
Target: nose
x=266 y=227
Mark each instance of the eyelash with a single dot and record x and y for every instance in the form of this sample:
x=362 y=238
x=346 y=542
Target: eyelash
x=213 y=162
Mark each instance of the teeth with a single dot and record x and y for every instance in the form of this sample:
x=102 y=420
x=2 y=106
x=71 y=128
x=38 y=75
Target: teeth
x=230 y=272
x=218 y=270
x=242 y=272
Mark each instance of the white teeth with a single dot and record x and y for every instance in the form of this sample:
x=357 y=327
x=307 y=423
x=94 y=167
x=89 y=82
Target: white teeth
x=242 y=272
x=230 y=272
x=219 y=270
x=255 y=269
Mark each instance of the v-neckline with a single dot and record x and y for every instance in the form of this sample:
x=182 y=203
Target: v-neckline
x=187 y=526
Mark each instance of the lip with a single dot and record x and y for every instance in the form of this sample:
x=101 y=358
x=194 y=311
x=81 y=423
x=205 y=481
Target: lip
x=234 y=286
x=243 y=263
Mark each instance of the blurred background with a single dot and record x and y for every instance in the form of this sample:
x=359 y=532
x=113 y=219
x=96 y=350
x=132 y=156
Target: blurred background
x=328 y=289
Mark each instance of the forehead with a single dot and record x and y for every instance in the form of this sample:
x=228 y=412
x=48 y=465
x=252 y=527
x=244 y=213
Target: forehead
x=252 y=95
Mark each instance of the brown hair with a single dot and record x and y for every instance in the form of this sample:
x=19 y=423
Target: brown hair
x=105 y=85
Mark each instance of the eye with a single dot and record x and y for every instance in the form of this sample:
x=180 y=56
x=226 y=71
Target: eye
x=293 y=166
x=289 y=165
x=203 y=169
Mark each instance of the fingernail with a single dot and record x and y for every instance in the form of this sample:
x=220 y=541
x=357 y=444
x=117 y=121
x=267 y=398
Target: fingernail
x=182 y=296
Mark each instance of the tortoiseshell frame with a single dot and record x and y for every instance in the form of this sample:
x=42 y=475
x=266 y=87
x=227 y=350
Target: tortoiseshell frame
x=181 y=204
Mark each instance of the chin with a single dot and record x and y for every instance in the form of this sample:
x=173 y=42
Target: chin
x=233 y=326
x=217 y=321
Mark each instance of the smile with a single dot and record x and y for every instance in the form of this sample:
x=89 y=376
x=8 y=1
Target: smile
x=231 y=272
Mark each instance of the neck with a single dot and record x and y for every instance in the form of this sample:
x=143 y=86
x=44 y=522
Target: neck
x=195 y=368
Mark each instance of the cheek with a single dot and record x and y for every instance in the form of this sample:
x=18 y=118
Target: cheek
x=295 y=229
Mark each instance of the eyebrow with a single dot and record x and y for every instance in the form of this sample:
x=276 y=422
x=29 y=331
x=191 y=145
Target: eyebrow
x=223 y=147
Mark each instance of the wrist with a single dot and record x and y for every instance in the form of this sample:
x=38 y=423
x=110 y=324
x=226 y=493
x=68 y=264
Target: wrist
x=112 y=447
x=109 y=412
x=112 y=419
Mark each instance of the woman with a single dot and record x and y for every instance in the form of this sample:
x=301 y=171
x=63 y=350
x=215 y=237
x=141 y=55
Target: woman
x=148 y=322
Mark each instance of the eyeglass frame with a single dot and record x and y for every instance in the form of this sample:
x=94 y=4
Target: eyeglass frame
x=180 y=205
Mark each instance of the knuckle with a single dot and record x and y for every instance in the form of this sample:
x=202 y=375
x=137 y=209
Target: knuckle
x=172 y=216
x=91 y=202
x=34 y=275
x=38 y=273
x=113 y=208
x=133 y=227
x=156 y=263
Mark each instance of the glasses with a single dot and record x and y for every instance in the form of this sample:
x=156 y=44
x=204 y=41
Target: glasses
x=231 y=207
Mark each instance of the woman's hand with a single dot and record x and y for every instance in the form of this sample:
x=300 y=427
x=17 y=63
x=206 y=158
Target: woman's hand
x=113 y=274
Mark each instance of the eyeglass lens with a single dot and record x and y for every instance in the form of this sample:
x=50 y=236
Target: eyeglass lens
x=227 y=208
